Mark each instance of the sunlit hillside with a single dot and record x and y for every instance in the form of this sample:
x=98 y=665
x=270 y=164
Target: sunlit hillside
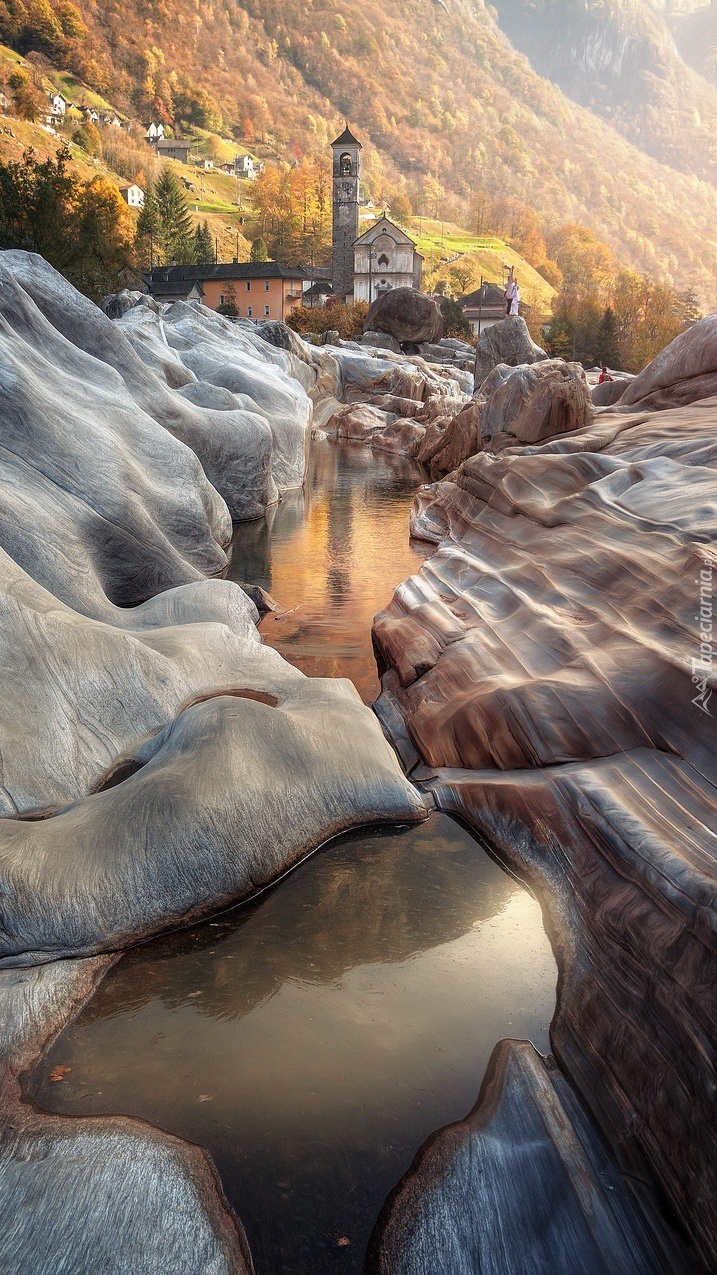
x=444 y=105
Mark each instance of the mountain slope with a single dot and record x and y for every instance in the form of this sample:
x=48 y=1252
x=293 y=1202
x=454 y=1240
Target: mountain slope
x=621 y=59
x=434 y=90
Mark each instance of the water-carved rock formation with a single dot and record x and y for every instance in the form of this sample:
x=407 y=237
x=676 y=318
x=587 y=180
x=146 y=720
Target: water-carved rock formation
x=684 y=372
x=552 y=667
x=158 y=761
x=522 y=1184
x=247 y=446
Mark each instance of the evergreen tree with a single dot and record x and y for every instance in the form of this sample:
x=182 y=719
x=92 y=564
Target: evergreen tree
x=203 y=245
x=175 y=239
x=259 y=250
x=148 y=227
x=608 y=340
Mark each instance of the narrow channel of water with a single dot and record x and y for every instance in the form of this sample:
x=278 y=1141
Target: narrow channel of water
x=331 y=555
x=313 y=1039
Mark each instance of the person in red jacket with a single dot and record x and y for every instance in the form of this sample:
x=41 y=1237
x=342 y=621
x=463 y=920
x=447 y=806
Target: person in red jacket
x=605 y=376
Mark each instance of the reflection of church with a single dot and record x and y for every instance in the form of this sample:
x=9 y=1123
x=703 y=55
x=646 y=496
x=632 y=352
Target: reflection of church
x=384 y=256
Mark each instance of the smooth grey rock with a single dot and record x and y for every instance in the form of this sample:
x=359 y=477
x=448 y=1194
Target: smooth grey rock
x=199 y=822
x=610 y=392
x=508 y=341
x=523 y=1184
x=682 y=373
x=99 y=501
x=228 y=355
x=69 y=332
x=381 y=341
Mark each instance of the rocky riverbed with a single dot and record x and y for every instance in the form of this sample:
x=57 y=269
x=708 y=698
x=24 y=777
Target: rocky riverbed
x=539 y=679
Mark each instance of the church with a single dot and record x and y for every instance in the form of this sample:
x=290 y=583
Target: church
x=384 y=256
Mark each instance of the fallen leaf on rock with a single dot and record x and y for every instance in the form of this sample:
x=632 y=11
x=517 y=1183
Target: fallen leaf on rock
x=59 y=1073
x=205 y=1097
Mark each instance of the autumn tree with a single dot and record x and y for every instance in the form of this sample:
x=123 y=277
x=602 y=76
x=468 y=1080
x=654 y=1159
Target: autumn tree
x=228 y=304
x=292 y=211
x=608 y=340
x=83 y=229
x=30 y=103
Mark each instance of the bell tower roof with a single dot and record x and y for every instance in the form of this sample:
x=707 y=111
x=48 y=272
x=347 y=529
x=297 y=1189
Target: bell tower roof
x=347 y=139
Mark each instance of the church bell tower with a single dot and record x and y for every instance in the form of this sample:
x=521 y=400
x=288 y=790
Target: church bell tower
x=346 y=150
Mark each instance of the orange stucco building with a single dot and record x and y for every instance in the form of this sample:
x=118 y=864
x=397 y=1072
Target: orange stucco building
x=258 y=289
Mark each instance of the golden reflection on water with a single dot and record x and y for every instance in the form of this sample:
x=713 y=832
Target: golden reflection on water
x=331 y=555
x=314 y=1039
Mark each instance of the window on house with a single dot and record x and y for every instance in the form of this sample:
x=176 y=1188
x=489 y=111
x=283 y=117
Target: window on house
x=248 y=285
x=248 y=312
x=221 y=299
x=267 y=285
x=266 y=310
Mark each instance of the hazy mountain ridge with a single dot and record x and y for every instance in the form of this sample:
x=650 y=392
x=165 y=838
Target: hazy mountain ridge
x=624 y=60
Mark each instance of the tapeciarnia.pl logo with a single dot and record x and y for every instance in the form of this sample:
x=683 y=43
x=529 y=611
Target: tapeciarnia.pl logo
x=702 y=667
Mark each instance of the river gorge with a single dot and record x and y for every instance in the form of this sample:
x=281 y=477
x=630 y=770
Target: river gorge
x=289 y=983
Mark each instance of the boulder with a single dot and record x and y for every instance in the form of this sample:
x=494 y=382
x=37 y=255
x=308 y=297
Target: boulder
x=449 y=443
x=508 y=341
x=118 y=303
x=359 y=421
x=406 y=315
x=606 y=393
x=686 y=370
x=535 y=403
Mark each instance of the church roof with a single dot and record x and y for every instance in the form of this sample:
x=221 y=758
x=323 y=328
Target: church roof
x=347 y=139
x=384 y=222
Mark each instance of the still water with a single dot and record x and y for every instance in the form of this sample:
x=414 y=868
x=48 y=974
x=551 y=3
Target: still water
x=313 y=1039
x=331 y=556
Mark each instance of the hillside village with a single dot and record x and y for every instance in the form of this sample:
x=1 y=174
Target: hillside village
x=576 y=296
x=218 y=188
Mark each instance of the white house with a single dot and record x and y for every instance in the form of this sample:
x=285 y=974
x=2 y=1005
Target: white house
x=385 y=257
x=154 y=132
x=132 y=195
x=246 y=166
x=59 y=105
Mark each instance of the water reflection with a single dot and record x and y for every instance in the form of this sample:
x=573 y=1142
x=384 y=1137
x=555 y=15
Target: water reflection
x=314 y=1039
x=332 y=555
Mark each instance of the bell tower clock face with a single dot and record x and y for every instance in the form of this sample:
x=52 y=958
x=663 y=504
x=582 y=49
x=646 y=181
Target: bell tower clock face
x=346 y=191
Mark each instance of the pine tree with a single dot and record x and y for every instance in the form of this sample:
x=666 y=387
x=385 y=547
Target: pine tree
x=148 y=227
x=608 y=340
x=175 y=237
x=203 y=245
x=258 y=250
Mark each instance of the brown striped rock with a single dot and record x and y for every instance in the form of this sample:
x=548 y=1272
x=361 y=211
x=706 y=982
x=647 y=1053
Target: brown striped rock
x=546 y=667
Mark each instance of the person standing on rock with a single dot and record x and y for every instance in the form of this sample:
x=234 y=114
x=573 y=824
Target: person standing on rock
x=512 y=296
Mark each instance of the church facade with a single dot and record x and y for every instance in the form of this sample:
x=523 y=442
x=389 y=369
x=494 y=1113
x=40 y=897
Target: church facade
x=384 y=256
